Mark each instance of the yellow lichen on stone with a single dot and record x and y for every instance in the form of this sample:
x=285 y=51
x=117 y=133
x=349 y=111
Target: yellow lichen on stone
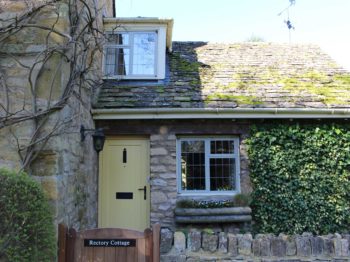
x=15 y=7
x=239 y=99
x=329 y=89
x=49 y=185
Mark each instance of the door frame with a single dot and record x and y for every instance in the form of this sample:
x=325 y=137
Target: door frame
x=101 y=171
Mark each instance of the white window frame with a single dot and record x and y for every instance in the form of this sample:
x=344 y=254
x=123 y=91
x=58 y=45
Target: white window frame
x=159 y=67
x=208 y=156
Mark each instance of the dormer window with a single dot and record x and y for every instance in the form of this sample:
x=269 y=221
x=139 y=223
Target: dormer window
x=135 y=47
x=131 y=54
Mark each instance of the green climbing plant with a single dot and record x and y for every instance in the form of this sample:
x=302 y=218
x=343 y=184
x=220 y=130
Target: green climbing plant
x=301 y=178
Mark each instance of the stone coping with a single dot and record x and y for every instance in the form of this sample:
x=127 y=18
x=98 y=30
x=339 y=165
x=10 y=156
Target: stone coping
x=213 y=211
x=213 y=215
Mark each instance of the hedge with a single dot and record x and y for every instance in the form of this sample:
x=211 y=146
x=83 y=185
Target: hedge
x=300 y=176
x=26 y=223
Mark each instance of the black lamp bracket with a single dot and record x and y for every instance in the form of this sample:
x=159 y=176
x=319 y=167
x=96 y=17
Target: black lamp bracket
x=98 y=137
x=82 y=132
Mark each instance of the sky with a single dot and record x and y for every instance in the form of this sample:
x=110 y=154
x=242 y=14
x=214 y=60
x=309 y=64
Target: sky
x=325 y=23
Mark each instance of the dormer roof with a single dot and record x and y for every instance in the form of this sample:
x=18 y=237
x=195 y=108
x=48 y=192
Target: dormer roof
x=134 y=22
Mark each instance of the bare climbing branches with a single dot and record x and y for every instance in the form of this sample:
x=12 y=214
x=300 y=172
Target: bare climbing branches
x=49 y=56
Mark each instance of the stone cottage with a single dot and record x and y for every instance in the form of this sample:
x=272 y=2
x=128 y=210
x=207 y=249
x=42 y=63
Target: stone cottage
x=176 y=115
x=177 y=128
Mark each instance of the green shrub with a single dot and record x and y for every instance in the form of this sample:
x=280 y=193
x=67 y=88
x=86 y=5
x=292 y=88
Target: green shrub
x=26 y=224
x=301 y=178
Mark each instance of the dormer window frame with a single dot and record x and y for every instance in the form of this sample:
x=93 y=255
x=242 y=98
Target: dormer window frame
x=159 y=57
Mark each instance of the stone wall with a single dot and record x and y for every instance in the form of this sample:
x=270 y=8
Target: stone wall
x=66 y=167
x=209 y=246
x=106 y=6
x=163 y=168
x=163 y=175
x=163 y=135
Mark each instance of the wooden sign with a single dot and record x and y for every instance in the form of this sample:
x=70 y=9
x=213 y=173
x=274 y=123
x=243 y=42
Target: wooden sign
x=109 y=242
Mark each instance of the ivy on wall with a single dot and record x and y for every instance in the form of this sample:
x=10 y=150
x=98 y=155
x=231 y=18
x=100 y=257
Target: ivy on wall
x=301 y=178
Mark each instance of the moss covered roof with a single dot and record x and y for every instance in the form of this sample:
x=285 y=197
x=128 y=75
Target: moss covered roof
x=207 y=75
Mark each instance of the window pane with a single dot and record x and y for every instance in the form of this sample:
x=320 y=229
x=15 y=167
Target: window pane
x=144 y=53
x=222 y=147
x=118 y=39
x=123 y=61
x=110 y=61
x=117 y=61
x=192 y=146
x=192 y=165
x=222 y=174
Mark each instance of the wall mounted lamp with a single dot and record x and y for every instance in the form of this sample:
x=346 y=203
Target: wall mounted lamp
x=98 y=137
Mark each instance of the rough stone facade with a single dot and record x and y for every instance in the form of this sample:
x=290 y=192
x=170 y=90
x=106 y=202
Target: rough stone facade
x=163 y=174
x=66 y=167
x=163 y=136
x=199 y=246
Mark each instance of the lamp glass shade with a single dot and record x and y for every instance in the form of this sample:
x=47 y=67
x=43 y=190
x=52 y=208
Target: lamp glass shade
x=98 y=139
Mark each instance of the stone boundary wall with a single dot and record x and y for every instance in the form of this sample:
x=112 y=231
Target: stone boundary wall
x=209 y=246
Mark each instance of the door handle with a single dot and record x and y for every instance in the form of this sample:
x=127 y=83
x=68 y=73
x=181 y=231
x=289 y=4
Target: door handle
x=144 y=192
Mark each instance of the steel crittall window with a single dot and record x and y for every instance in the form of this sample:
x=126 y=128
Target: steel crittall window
x=131 y=54
x=208 y=165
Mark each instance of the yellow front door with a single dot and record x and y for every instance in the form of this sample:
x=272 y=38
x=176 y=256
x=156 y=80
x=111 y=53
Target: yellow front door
x=124 y=197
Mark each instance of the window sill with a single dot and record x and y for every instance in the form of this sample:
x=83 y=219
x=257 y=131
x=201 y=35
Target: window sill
x=216 y=194
x=131 y=78
x=213 y=215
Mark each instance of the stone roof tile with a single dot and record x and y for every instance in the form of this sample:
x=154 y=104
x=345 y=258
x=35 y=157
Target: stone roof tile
x=237 y=75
